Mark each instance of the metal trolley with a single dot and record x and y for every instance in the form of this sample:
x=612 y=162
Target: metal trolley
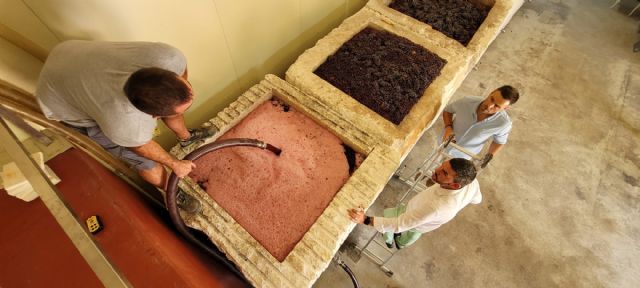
x=417 y=182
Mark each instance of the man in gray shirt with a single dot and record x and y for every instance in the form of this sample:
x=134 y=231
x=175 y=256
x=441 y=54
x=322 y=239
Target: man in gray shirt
x=476 y=120
x=114 y=92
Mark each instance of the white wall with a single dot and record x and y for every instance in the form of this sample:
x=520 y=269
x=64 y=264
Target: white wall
x=230 y=44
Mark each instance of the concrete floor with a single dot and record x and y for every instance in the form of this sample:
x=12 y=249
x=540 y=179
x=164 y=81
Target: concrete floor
x=562 y=200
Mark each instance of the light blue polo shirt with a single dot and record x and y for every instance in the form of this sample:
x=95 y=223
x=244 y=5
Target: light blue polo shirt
x=471 y=134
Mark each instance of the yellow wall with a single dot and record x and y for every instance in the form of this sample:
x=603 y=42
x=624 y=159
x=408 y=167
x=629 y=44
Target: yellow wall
x=230 y=44
x=21 y=70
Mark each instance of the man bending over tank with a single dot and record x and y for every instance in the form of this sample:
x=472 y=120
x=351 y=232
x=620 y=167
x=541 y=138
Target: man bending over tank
x=114 y=92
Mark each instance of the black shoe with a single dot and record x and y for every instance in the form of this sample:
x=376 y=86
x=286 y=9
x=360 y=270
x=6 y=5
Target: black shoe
x=196 y=135
x=187 y=202
x=395 y=240
x=389 y=245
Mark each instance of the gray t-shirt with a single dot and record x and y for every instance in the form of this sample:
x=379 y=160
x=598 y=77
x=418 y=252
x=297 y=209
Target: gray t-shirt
x=82 y=83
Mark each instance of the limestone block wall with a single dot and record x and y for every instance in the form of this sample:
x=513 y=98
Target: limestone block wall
x=401 y=137
x=377 y=14
x=314 y=252
x=498 y=17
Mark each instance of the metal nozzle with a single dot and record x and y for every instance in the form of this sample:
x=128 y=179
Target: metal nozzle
x=273 y=149
x=188 y=203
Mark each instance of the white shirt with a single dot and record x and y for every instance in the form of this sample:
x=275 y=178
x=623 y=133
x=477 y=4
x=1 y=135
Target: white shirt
x=430 y=209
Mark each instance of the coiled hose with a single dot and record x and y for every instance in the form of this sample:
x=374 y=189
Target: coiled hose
x=172 y=191
x=346 y=269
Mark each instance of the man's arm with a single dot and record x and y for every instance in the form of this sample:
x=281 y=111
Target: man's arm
x=499 y=140
x=494 y=148
x=406 y=221
x=176 y=124
x=152 y=150
x=448 y=125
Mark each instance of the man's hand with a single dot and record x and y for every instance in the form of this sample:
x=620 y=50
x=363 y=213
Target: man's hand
x=357 y=215
x=448 y=132
x=487 y=158
x=447 y=118
x=182 y=167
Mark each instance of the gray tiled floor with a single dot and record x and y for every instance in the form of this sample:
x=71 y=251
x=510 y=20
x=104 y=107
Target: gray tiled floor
x=561 y=201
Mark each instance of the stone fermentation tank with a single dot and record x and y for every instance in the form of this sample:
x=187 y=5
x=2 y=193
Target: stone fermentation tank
x=311 y=255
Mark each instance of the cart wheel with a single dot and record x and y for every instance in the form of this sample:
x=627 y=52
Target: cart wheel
x=386 y=271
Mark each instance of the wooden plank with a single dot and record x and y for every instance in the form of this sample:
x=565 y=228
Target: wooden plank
x=88 y=248
x=25 y=106
x=20 y=123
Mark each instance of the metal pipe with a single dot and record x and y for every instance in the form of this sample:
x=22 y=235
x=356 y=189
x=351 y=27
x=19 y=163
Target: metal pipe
x=172 y=191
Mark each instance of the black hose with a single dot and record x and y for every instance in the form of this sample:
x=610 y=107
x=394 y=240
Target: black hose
x=351 y=275
x=172 y=191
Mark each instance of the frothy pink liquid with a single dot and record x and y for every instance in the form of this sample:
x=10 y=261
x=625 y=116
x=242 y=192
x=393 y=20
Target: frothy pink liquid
x=276 y=198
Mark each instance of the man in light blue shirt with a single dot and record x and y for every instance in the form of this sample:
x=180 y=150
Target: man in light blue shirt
x=476 y=120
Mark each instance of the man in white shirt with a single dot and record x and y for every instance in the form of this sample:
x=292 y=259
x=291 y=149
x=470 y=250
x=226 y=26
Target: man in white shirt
x=429 y=209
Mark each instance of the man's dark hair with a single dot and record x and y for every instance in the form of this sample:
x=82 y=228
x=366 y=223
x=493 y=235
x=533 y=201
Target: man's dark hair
x=465 y=171
x=156 y=91
x=509 y=93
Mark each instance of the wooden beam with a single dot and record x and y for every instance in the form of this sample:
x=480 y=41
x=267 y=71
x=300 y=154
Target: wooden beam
x=24 y=126
x=25 y=106
x=81 y=238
